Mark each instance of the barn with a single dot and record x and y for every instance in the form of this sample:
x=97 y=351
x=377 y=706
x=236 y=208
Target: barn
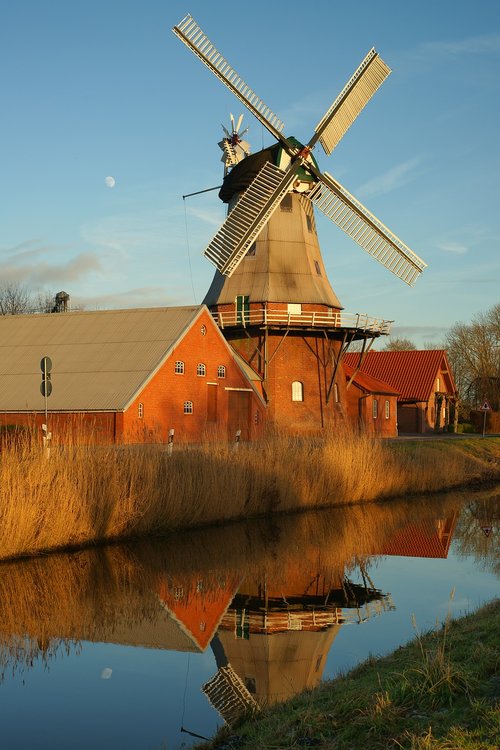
x=428 y=397
x=128 y=376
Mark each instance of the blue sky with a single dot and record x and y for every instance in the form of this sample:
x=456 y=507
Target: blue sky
x=103 y=87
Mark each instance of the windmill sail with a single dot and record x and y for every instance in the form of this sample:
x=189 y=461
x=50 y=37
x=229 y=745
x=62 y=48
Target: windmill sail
x=249 y=216
x=193 y=37
x=355 y=220
x=352 y=99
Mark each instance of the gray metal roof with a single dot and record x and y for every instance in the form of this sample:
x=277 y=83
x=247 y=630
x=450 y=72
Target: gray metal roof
x=100 y=359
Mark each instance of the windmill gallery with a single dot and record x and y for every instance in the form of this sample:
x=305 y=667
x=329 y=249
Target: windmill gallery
x=267 y=346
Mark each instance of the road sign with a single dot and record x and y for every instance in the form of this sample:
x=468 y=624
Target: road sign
x=46 y=387
x=45 y=364
x=485 y=407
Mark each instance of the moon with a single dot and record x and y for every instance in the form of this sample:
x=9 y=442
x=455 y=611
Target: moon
x=110 y=181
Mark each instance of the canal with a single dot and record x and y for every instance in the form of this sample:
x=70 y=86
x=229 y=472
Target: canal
x=145 y=645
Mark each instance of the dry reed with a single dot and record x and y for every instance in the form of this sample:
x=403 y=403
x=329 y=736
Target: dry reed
x=86 y=493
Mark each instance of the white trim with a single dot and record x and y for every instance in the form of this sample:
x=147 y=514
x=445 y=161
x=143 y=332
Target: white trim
x=247 y=390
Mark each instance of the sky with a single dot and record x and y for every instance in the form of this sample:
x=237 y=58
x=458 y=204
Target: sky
x=103 y=88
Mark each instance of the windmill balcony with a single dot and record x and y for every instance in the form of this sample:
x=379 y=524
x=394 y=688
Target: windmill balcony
x=358 y=322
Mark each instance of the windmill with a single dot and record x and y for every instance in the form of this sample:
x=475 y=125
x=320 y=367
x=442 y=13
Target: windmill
x=270 y=278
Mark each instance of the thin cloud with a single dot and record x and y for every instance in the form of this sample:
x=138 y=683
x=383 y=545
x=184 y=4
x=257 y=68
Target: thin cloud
x=453 y=247
x=486 y=44
x=394 y=178
x=40 y=273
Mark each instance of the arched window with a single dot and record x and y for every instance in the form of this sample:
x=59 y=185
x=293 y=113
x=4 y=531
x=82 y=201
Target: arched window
x=188 y=407
x=387 y=409
x=297 y=391
x=140 y=411
x=221 y=371
x=179 y=367
x=201 y=369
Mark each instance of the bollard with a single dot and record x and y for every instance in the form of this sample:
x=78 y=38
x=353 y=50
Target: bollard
x=47 y=437
x=170 y=443
x=237 y=440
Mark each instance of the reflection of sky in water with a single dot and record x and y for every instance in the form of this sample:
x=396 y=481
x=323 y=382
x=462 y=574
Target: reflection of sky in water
x=103 y=695
x=420 y=587
x=140 y=707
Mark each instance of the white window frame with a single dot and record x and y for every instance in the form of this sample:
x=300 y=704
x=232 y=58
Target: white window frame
x=179 y=367
x=297 y=390
x=375 y=408
x=221 y=371
x=140 y=410
x=201 y=369
x=188 y=407
x=387 y=409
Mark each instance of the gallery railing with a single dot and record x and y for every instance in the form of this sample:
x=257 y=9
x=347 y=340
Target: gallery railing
x=331 y=319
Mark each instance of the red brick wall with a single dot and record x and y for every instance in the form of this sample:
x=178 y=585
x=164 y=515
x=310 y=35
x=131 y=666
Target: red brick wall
x=304 y=358
x=360 y=406
x=164 y=396
x=100 y=427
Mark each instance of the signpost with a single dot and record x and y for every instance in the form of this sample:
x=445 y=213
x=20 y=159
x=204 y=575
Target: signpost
x=46 y=390
x=485 y=408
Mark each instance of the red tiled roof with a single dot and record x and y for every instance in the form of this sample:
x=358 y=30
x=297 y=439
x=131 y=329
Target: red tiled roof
x=369 y=383
x=419 y=540
x=412 y=373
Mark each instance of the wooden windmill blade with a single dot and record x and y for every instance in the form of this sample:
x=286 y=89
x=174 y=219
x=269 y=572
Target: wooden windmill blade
x=350 y=102
x=249 y=216
x=193 y=37
x=362 y=226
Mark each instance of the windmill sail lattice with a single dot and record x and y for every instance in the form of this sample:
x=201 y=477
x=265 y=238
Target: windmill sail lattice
x=355 y=220
x=193 y=37
x=249 y=216
x=352 y=99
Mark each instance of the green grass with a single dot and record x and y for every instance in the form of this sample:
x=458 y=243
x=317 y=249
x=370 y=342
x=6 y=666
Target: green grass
x=440 y=692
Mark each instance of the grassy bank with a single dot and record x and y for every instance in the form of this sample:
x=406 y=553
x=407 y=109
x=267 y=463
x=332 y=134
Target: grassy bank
x=441 y=692
x=84 y=494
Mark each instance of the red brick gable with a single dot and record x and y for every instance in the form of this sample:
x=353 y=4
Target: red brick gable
x=411 y=373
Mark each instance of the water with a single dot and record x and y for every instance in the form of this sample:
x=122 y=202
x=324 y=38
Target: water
x=127 y=646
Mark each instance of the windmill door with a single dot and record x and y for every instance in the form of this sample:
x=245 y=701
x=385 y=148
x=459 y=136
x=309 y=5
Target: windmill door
x=242 y=309
x=238 y=414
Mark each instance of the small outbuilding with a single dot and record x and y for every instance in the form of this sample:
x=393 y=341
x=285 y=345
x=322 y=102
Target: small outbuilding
x=428 y=398
x=371 y=403
x=127 y=376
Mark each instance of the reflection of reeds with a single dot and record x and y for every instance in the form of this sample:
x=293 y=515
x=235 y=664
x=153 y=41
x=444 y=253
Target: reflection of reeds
x=86 y=493
x=110 y=593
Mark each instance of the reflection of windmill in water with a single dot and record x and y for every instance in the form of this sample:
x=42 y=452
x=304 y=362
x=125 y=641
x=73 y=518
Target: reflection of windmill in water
x=273 y=643
x=270 y=293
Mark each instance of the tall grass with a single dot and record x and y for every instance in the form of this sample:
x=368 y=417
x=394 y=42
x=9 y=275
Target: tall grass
x=85 y=493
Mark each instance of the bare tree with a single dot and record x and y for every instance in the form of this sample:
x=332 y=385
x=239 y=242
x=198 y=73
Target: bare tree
x=398 y=345
x=15 y=299
x=474 y=354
